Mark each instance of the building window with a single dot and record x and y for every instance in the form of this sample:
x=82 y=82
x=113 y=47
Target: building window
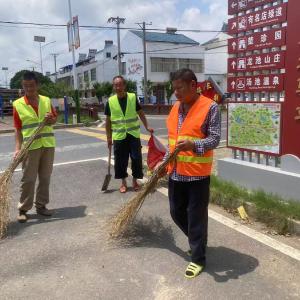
x=108 y=55
x=195 y=65
x=86 y=76
x=160 y=64
x=123 y=68
x=93 y=75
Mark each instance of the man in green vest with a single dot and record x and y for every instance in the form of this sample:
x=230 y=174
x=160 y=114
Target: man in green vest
x=123 y=132
x=29 y=111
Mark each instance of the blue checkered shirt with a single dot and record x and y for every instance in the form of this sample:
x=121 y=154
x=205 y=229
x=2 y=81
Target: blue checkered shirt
x=212 y=130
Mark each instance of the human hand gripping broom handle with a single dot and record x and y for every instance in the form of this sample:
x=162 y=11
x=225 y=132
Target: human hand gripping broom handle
x=163 y=165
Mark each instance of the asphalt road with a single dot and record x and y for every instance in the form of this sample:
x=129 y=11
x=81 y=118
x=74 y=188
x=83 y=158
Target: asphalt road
x=69 y=255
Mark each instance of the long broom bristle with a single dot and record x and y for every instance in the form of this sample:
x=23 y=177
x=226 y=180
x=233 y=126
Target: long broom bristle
x=4 y=201
x=6 y=177
x=128 y=212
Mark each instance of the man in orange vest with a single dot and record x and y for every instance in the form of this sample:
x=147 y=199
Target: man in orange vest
x=193 y=128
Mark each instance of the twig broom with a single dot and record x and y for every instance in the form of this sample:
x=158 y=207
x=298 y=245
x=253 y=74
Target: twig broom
x=128 y=212
x=5 y=180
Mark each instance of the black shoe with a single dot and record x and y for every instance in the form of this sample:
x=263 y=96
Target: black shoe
x=22 y=217
x=44 y=211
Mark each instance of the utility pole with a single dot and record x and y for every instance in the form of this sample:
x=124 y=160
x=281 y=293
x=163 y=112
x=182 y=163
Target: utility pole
x=54 y=56
x=118 y=21
x=5 y=69
x=145 y=59
x=73 y=46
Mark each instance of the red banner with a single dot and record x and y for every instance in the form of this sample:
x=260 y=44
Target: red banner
x=266 y=61
x=259 y=83
x=207 y=89
x=265 y=17
x=235 y=6
x=256 y=41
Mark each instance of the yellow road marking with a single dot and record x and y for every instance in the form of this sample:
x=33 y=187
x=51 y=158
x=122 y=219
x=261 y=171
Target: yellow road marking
x=88 y=133
x=99 y=136
x=144 y=137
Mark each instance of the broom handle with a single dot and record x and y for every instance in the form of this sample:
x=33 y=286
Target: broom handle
x=26 y=146
x=109 y=160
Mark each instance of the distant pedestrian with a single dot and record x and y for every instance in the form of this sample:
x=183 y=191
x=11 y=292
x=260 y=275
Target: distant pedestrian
x=194 y=128
x=29 y=111
x=123 y=132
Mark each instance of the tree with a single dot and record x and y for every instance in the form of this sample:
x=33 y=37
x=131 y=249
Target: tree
x=131 y=86
x=103 y=89
x=16 y=81
x=55 y=90
x=149 y=87
x=169 y=90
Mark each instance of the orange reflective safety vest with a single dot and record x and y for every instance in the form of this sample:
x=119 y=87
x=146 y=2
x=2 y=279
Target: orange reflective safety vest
x=189 y=163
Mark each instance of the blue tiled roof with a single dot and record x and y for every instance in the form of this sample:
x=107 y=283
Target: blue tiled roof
x=165 y=37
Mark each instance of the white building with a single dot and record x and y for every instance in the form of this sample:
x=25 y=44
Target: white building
x=216 y=56
x=166 y=53
x=97 y=66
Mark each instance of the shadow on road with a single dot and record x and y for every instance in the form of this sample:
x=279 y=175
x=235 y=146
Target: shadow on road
x=223 y=263
x=63 y=213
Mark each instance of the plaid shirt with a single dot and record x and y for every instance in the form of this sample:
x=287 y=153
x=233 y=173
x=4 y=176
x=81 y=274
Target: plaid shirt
x=212 y=130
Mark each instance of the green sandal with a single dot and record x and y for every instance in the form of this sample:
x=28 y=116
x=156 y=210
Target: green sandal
x=193 y=270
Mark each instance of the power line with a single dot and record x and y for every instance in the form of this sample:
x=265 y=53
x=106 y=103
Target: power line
x=91 y=27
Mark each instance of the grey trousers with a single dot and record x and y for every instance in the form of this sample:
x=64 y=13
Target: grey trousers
x=39 y=162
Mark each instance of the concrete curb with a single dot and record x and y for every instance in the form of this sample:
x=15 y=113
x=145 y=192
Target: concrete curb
x=58 y=126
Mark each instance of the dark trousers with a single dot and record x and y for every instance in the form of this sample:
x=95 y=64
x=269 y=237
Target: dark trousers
x=130 y=146
x=189 y=210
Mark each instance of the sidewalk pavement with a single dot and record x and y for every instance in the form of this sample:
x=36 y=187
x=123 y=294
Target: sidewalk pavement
x=6 y=123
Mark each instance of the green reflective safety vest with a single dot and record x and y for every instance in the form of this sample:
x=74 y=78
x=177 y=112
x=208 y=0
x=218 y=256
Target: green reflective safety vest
x=31 y=121
x=122 y=124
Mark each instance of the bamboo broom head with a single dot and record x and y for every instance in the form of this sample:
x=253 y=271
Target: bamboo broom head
x=127 y=213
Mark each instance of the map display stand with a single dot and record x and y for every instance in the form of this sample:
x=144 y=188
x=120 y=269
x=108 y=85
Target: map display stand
x=264 y=81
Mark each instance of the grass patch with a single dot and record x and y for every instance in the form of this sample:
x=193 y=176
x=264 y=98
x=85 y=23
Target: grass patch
x=266 y=208
x=270 y=209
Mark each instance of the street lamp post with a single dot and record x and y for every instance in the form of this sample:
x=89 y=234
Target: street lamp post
x=40 y=40
x=73 y=47
x=118 y=21
x=5 y=69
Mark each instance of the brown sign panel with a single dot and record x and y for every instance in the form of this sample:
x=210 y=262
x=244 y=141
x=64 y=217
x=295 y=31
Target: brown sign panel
x=291 y=106
x=235 y=6
x=258 y=40
x=266 y=61
x=259 y=83
x=261 y=18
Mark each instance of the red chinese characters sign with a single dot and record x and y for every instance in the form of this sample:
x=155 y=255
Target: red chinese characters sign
x=235 y=6
x=257 y=41
x=266 y=61
x=259 y=83
x=256 y=19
